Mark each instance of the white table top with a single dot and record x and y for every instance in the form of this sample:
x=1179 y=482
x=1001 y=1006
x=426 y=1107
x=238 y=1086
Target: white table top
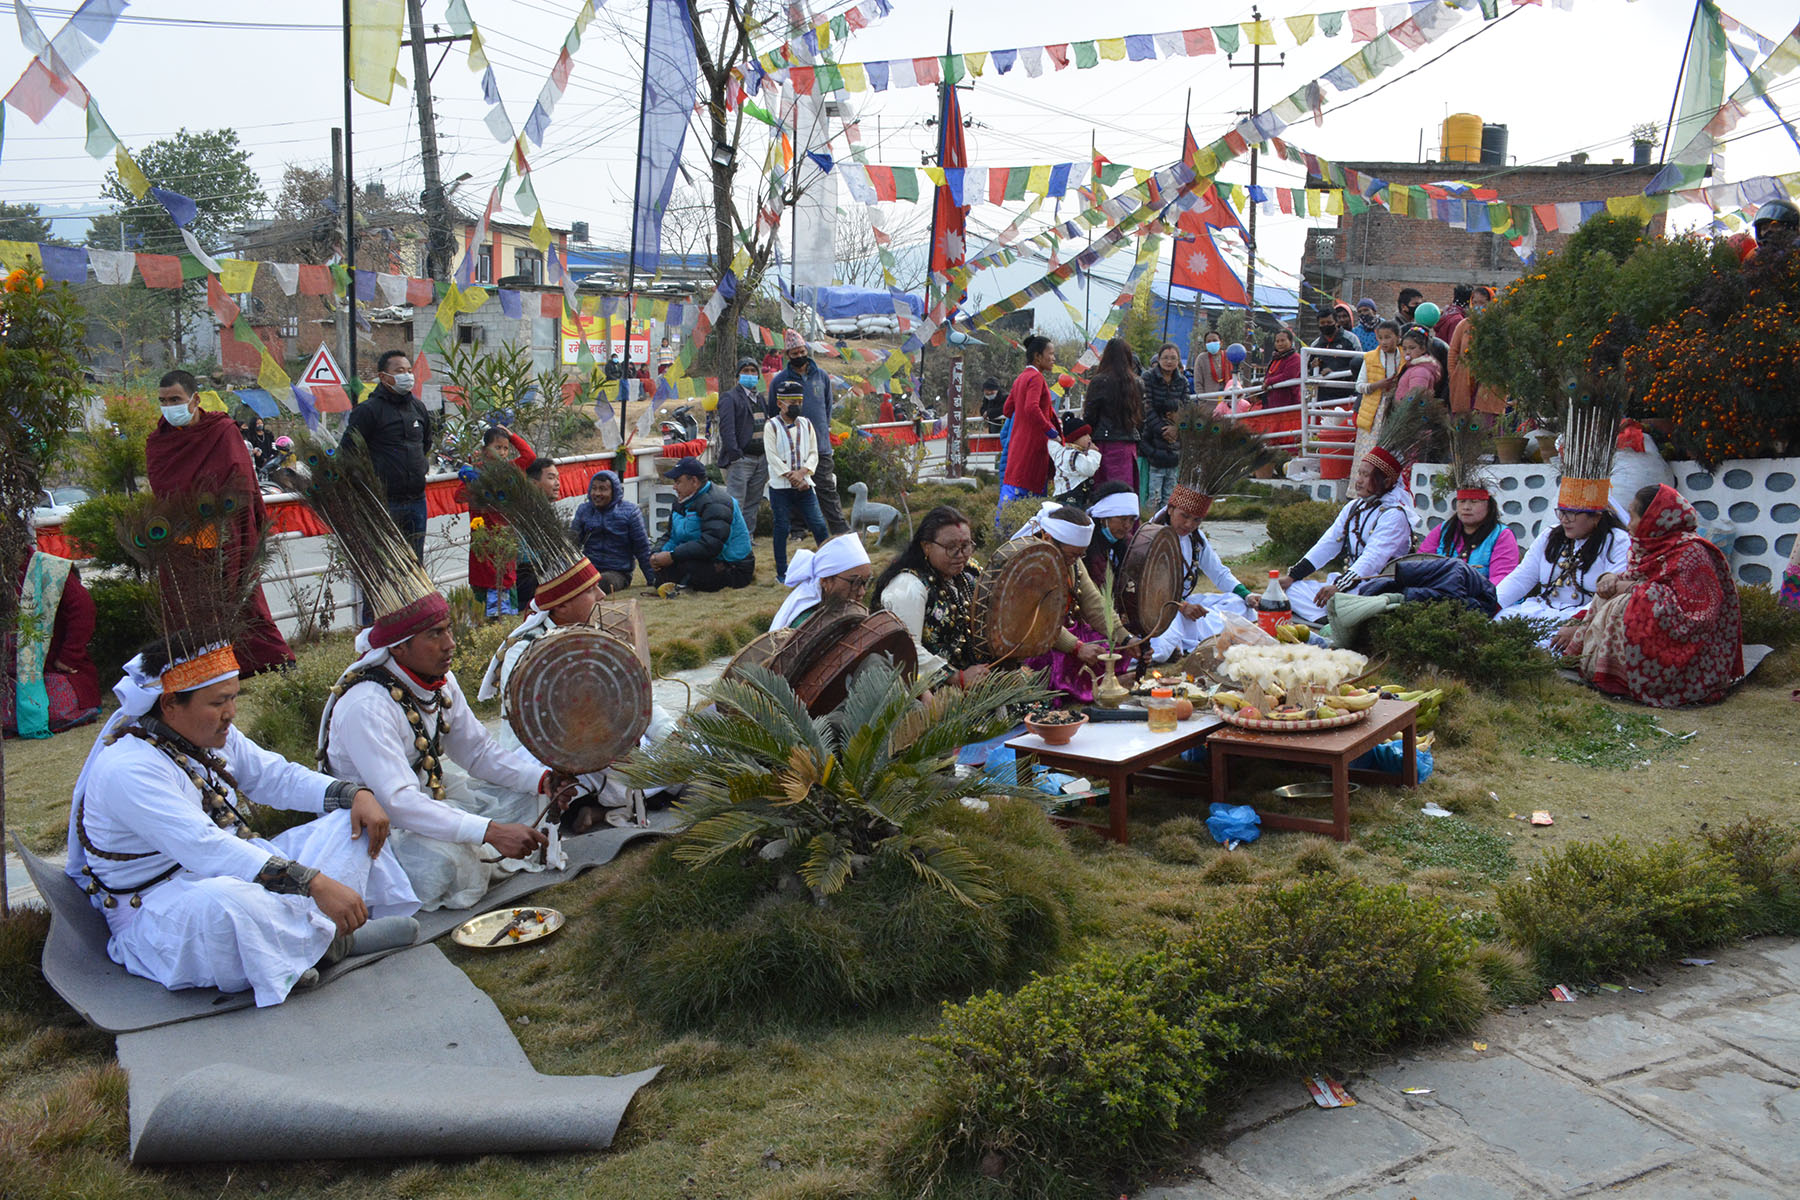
x=1116 y=741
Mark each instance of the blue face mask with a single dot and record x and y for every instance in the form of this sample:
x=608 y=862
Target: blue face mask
x=748 y=381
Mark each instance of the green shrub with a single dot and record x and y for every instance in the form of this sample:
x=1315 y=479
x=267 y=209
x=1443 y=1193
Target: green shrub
x=882 y=463
x=1082 y=1069
x=22 y=934
x=730 y=943
x=122 y=623
x=1013 y=517
x=1507 y=974
x=1252 y=501
x=1330 y=970
x=1294 y=528
x=1767 y=621
x=1427 y=842
x=287 y=705
x=1451 y=637
x=1766 y=859
x=92 y=527
x=1227 y=869
x=1597 y=908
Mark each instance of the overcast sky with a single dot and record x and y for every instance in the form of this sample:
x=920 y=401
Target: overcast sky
x=1562 y=81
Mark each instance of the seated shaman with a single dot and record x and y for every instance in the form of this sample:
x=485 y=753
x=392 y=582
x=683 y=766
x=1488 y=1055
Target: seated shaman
x=1199 y=615
x=162 y=836
x=1370 y=532
x=838 y=572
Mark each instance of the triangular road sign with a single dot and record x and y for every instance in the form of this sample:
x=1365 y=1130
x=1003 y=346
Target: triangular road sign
x=322 y=370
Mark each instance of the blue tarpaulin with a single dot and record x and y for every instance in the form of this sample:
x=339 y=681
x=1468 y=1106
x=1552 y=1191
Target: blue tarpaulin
x=844 y=303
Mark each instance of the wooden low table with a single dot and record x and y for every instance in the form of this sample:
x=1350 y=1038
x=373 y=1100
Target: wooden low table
x=1115 y=751
x=1332 y=749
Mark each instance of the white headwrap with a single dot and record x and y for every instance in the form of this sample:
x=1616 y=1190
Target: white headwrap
x=1066 y=532
x=1119 y=504
x=842 y=553
x=490 y=679
x=136 y=692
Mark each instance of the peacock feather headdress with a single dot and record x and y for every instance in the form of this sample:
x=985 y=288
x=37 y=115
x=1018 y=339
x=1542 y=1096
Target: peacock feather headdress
x=563 y=570
x=1216 y=453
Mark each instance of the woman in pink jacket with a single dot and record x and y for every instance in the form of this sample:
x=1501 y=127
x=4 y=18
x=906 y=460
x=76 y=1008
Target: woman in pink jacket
x=1476 y=535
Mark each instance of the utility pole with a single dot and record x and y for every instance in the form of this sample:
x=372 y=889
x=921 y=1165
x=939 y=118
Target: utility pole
x=1256 y=69
x=1087 y=279
x=347 y=331
x=439 y=243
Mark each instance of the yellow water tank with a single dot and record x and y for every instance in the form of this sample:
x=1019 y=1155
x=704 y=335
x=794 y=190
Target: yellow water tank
x=1462 y=138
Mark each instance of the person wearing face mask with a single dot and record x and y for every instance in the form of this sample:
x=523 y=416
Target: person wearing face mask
x=1465 y=394
x=1368 y=319
x=741 y=454
x=793 y=450
x=991 y=404
x=195 y=451
x=1340 y=370
x=395 y=426
x=816 y=408
x=1216 y=373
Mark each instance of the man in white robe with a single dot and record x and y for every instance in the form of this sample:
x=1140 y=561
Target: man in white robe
x=456 y=842
x=1200 y=615
x=1370 y=532
x=160 y=837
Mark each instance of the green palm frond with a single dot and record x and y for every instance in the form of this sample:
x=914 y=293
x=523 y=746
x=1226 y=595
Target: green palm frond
x=939 y=859
x=714 y=837
x=827 y=865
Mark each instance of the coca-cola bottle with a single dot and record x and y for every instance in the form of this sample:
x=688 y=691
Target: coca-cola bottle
x=1273 y=608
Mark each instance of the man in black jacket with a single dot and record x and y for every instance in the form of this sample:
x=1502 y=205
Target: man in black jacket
x=1342 y=371
x=740 y=442
x=397 y=429
x=708 y=547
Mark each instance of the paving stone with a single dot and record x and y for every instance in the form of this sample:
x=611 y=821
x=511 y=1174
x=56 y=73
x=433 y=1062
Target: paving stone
x=1782 y=956
x=1319 y=1149
x=1456 y=1176
x=1613 y=1043
x=1695 y=991
x=1697 y=1183
x=1768 y=1029
x=1264 y=1104
x=1731 y=1100
x=1554 y=1128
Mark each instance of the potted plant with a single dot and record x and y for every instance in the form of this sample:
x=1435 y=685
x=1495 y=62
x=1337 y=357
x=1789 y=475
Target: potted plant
x=1509 y=438
x=1643 y=137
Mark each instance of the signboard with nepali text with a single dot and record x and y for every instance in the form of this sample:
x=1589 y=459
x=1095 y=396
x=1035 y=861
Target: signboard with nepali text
x=606 y=338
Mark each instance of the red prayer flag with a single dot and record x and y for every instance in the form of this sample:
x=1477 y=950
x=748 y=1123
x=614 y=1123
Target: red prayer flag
x=329 y=397
x=223 y=306
x=1199 y=41
x=550 y=304
x=419 y=292
x=802 y=79
x=159 y=270
x=36 y=92
x=882 y=180
x=926 y=70
x=1362 y=24
x=315 y=280
x=1546 y=215
x=1059 y=54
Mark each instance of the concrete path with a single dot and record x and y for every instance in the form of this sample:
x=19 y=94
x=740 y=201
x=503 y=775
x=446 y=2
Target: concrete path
x=1688 y=1090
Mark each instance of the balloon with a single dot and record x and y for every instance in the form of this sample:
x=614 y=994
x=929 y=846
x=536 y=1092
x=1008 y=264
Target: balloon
x=1427 y=314
x=1065 y=382
x=1236 y=353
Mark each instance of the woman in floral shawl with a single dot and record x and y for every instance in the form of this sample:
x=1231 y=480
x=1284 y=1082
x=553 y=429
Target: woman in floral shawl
x=1666 y=633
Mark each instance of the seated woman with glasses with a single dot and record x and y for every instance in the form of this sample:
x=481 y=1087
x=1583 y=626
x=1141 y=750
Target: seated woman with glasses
x=838 y=572
x=930 y=586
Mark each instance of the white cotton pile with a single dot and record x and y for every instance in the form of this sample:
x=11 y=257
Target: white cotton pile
x=1282 y=668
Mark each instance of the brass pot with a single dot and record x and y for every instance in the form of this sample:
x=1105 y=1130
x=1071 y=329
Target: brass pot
x=1108 y=691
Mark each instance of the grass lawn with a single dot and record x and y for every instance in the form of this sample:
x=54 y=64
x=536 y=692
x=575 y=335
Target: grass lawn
x=789 y=1112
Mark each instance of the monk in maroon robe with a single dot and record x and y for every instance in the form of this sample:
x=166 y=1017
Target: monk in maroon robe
x=205 y=452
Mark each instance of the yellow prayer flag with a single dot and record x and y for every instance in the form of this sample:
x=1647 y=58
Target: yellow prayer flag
x=1141 y=174
x=477 y=52
x=540 y=232
x=375 y=46
x=1334 y=202
x=1259 y=33
x=269 y=375
x=211 y=401
x=898 y=362
x=1628 y=206
x=1038 y=181
x=590 y=306
x=1112 y=49
x=855 y=78
x=15 y=255
x=1358 y=65
x=823 y=33
x=237 y=275
x=1301 y=28
x=1312 y=202
x=935 y=174
x=976 y=61
x=130 y=174
x=1239 y=197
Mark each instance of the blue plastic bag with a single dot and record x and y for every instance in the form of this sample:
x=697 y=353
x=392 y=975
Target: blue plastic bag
x=1234 y=823
x=1388 y=757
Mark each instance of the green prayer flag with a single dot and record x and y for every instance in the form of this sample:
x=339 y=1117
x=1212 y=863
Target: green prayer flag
x=1331 y=24
x=1111 y=173
x=1354 y=204
x=1227 y=38
x=906 y=183
x=829 y=78
x=191 y=269
x=953 y=69
x=757 y=111
x=1490 y=9
x=1086 y=54
x=340 y=278
x=1016 y=178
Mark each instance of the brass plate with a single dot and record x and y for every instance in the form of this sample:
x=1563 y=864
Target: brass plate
x=535 y=924
x=1319 y=790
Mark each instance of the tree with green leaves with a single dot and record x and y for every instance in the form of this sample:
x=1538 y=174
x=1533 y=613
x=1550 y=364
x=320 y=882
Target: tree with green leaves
x=211 y=169
x=22 y=223
x=42 y=349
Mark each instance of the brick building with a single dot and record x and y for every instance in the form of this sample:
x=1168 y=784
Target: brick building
x=1375 y=254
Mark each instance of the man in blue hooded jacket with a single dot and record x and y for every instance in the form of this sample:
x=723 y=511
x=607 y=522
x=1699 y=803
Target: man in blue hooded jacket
x=610 y=531
x=708 y=548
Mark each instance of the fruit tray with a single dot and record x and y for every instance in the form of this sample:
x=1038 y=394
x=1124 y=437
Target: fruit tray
x=1265 y=725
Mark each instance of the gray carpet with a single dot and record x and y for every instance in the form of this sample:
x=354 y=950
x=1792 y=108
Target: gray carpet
x=108 y=996
x=404 y=1058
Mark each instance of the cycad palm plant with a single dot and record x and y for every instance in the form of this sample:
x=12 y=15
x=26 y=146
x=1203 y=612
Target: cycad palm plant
x=838 y=791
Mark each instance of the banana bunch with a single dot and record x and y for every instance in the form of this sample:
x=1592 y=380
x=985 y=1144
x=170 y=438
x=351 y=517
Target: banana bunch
x=1351 y=698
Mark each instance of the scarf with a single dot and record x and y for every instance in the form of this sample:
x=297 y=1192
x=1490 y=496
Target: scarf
x=1066 y=532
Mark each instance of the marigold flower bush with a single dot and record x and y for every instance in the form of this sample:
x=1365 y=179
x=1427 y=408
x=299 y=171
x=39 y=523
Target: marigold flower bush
x=1726 y=369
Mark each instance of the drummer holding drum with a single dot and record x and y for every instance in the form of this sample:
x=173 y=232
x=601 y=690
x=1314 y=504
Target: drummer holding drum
x=1199 y=614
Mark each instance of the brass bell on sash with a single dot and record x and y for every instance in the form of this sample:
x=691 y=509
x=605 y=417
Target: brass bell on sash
x=398 y=695
x=110 y=902
x=420 y=742
x=137 y=901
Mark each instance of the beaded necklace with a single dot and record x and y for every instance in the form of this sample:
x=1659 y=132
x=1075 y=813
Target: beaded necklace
x=949 y=628
x=430 y=757
x=210 y=777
